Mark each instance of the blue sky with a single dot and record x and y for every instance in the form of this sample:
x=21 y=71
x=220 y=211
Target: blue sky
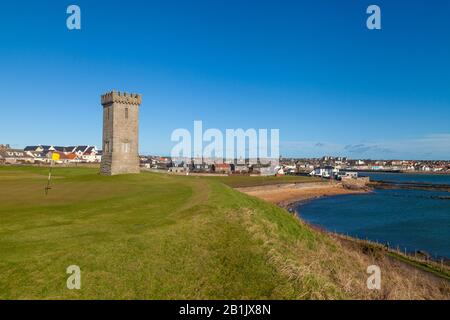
x=309 y=68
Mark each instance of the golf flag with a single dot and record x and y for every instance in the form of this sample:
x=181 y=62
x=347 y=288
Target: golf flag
x=55 y=156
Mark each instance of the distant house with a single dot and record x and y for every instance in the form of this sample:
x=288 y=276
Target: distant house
x=241 y=168
x=290 y=169
x=2 y=156
x=347 y=174
x=202 y=167
x=80 y=150
x=15 y=156
x=177 y=169
x=98 y=156
x=325 y=172
x=47 y=148
x=71 y=157
x=38 y=156
x=280 y=171
x=60 y=149
x=90 y=154
x=64 y=157
x=34 y=148
x=222 y=168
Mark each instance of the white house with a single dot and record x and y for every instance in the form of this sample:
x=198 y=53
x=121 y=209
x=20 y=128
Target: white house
x=90 y=155
x=325 y=172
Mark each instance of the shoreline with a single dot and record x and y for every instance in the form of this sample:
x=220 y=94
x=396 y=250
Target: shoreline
x=400 y=172
x=290 y=196
x=380 y=184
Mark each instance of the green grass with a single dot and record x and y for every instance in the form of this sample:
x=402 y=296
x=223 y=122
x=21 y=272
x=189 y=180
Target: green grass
x=135 y=236
x=155 y=236
x=423 y=265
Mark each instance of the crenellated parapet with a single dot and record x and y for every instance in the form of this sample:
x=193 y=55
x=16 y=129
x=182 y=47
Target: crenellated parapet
x=121 y=97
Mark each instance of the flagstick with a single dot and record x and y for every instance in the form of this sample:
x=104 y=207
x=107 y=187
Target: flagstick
x=49 y=178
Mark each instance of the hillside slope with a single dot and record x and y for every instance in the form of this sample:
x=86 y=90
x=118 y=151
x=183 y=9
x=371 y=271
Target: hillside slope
x=154 y=236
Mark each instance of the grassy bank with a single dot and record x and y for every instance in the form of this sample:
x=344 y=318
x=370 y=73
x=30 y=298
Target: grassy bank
x=436 y=268
x=428 y=266
x=155 y=236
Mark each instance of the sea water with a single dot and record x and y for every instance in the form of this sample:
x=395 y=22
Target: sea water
x=408 y=219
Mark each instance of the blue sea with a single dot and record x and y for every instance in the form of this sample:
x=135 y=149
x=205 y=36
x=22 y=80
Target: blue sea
x=409 y=219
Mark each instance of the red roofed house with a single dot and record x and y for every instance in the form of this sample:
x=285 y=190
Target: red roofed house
x=222 y=168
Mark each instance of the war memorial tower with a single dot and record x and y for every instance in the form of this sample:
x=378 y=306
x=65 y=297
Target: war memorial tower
x=120 y=133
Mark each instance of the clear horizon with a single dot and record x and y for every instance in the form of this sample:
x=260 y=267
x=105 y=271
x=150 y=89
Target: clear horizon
x=312 y=70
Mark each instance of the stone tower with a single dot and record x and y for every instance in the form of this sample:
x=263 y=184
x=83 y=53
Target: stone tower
x=120 y=133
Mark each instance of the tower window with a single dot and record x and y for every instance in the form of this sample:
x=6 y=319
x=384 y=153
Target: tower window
x=107 y=113
x=126 y=147
x=126 y=113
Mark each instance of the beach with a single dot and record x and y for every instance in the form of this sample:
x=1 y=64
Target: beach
x=285 y=195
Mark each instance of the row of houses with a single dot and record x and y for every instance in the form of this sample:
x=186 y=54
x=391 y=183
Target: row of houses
x=220 y=167
x=42 y=154
x=223 y=168
x=306 y=165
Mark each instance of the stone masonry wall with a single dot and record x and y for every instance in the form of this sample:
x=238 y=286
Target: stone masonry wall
x=120 y=133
